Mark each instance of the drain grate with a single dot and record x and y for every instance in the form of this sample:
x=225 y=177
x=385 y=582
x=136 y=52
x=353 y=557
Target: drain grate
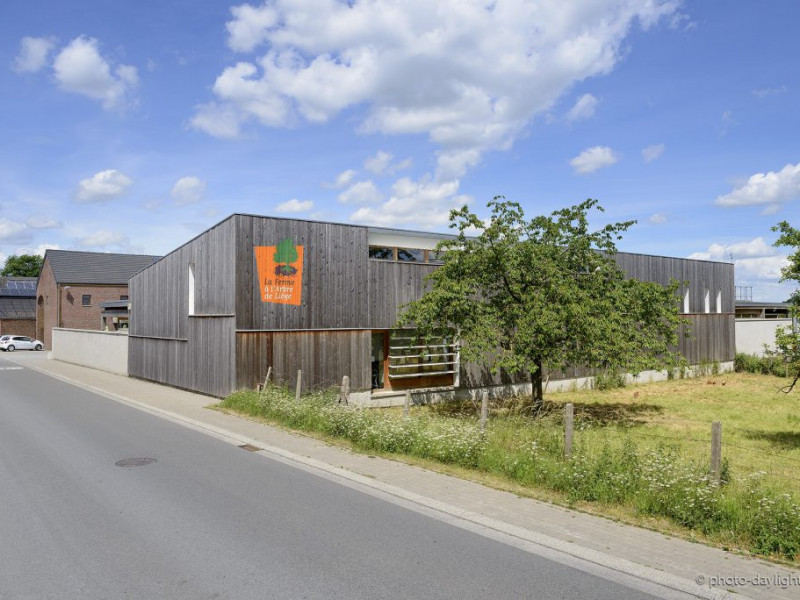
x=135 y=462
x=250 y=448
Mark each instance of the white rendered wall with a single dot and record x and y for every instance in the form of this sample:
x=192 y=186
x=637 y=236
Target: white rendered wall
x=101 y=350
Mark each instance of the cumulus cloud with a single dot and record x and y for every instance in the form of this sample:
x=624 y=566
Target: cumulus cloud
x=343 y=179
x=754 y=259
x=37 y=250
x=592 y=159
x=33 y=54
x=80 y=68
x=422 y=203
x=103 y=186
x=658 y=218
x=43 y=222
x=469 y=75
x=773 y=188
x=188 y=190
x=653 y=152
x=361 y=192
x=294 y=206
x=583 y=109
x=11 y=231
x=105 y=239
x=381 y=164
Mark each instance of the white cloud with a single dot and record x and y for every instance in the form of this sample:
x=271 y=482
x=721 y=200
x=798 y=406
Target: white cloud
x=12 y=231
x=728 y=123
x=188 y=190
x=766 y=188
x=381 y=164
x=343 y=179
x=37 y=250
x=583 y=109
x=79 y=68
x=422 y=203
x=468 y=74
x=43 y=222
x=294 y=206
x=102 y=186
x=770 y=91
x=653 y=152
x=361 y=192
x=592 y=159
x=658 y=218
x=250 y=26
x=33 y=53
x=754 y=259
x=105 y=239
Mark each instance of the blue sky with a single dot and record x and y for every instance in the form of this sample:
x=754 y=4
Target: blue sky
x=131 y=127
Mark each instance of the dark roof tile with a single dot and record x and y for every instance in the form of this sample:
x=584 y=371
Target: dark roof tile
x=96 y=267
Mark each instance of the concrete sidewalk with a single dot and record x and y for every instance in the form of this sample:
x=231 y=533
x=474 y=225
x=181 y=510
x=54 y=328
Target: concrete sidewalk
x=676 y=563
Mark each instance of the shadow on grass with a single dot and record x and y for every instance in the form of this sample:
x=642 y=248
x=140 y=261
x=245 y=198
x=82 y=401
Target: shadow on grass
x=785 y=440
x=597 y=414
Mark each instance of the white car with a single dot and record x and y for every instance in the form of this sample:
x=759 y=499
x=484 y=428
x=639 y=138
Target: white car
x=10 y=343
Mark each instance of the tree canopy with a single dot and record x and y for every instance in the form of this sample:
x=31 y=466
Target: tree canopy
x=787 y=339
x=24 y=265
x=527 y=295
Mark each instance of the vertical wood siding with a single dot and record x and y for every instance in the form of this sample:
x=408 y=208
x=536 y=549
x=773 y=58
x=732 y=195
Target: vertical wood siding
x=166 y=344
x=324 y=356
x=344 y=295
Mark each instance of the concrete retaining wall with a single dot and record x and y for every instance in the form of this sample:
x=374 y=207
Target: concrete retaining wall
x=100 y=350
x=752 y=334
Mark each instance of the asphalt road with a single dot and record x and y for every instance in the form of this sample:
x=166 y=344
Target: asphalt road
x=206 y=519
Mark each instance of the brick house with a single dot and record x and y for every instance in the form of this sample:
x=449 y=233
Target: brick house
x=72 y=286
x=18 y=306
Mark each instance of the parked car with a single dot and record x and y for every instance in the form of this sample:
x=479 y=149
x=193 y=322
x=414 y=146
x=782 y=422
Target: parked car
x=9 y=343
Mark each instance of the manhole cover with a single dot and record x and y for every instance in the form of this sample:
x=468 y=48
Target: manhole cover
x=135 y=462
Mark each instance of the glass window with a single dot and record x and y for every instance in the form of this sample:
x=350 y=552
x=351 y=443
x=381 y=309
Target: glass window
x=435 y=257
x=410 y=255
x=123 y=297
x=381 y=253
x=86 y=300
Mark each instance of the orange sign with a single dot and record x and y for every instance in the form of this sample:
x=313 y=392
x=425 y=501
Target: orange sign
x=280 y=272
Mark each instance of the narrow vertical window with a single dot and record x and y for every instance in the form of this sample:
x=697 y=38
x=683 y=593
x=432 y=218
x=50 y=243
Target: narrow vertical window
x=707 y=302
x=686 y=301
x=191 y=288
x=719 y=301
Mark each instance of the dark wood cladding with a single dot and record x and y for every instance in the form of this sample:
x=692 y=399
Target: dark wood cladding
x=234 y=337
x=702 y=276
x=166 y=344
x=204 y=362
x=334 y=291
x=391 y=285
x=324 y=357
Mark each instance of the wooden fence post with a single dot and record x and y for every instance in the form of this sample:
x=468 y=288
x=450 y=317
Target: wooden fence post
x=716 y=450
x=299 y=384
x=345 y=393
x=484 y=410
x=407 y=404
x=568 y=423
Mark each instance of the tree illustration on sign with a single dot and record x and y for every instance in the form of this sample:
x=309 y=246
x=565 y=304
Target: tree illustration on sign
x=285 y=255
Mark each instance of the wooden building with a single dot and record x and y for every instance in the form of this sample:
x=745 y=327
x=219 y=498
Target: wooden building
x=257 y=292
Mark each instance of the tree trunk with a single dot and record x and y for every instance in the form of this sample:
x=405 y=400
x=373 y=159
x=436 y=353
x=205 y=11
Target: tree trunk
x=537 y=391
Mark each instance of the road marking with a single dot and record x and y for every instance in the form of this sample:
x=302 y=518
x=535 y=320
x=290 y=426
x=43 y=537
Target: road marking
x=10 y=368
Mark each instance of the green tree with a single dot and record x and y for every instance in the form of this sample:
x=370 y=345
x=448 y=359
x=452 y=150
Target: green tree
x=787 y=339
x=524 y=296
x=285 y=254
x=24 y=265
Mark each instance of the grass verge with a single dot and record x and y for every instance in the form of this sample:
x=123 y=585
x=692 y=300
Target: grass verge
x=637 y=454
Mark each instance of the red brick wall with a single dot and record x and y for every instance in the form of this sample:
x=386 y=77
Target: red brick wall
x=46 y=306
x=18 y=327
x=76 y=316
x=73 y=314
